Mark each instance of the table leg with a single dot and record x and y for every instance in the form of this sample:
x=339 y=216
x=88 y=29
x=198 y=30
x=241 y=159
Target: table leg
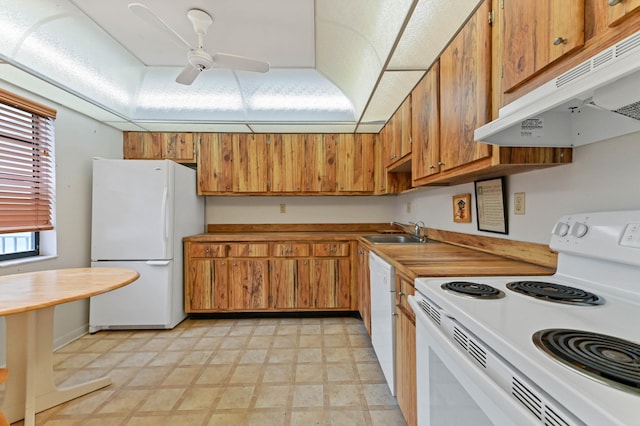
x=30 y=387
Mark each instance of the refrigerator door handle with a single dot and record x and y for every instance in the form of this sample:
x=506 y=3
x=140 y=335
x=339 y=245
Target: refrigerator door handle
x=157 y=262
x=165 y=214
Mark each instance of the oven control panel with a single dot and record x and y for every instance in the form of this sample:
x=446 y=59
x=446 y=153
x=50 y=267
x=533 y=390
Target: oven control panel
x=631 y=235
x=603 y=235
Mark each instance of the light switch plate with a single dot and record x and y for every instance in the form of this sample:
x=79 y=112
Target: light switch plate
x=519 y=203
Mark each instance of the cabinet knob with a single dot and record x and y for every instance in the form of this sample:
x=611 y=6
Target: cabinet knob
x=614 y=2
x=559 y=40
x=440 y=163
x=432 y=167
x=400 y=294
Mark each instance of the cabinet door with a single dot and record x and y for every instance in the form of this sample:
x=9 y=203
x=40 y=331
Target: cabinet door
x=250 y=162
x=406 y=388
x=206 y=285
x=141 y=146
x=398 y=143
x=355 y=162
x=287 y=162
x=248 y=284
x=536 y=33
x=319 y=163
x=425 y=128
x=289 y=283
x=178 y=147
x=330 y=283
x=464 y=91
x=215 y=162
x=364 y=293
x=622 y=10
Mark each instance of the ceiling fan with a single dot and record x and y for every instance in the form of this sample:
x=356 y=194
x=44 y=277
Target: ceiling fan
x=198 y=59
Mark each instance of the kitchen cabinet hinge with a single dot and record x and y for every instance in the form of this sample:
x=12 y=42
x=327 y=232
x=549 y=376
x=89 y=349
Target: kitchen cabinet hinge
x=491 y=17
x=268 y=140
x=502 y=4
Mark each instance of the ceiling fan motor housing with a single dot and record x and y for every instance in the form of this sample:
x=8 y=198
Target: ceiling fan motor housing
x=200 y=59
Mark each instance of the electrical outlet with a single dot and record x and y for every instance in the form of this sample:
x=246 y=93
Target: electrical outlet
x=519 y=203
x=409 y=207
x=283 y=208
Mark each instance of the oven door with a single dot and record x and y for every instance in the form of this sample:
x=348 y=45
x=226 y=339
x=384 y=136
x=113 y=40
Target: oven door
x=451 y=388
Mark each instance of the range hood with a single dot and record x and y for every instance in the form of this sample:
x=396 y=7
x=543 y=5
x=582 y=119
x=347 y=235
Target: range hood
x=596 y=100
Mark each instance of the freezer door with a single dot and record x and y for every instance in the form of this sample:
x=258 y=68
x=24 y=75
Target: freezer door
x=132 y=210
x=145 y=303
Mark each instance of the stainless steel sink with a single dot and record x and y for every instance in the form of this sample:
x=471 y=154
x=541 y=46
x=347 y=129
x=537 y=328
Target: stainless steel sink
x=393 y=239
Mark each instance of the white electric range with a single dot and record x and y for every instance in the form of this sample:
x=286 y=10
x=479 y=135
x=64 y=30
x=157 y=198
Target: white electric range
x=482 y=356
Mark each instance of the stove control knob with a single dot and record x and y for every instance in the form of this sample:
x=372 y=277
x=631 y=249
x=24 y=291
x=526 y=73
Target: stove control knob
x=561 y=229
x=579 y=229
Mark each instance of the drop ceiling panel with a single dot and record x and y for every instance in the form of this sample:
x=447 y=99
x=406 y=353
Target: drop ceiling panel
x=432 y=24
x=392 y=90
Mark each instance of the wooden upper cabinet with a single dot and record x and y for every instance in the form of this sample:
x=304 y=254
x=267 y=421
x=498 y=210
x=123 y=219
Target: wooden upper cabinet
x=250 y=162
x=287 y=162
x=465 y=75
x=319 y=163
x=425 y=130
x=215 y=162
x=354 y=160
x=302 y=163
x=159 y=146
x=621 y=10
x=537 y=33
x=397 y=136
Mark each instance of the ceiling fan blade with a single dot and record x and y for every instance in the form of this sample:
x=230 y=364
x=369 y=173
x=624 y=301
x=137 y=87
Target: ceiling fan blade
x=188 y=75
x=241 y=63
x=144 y=13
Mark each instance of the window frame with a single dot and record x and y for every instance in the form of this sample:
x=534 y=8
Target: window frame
x=42 y=127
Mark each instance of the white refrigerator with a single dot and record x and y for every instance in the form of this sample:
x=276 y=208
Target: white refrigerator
x=141 y=210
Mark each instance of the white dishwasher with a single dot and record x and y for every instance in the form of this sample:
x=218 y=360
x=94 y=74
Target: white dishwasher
x=383 y=315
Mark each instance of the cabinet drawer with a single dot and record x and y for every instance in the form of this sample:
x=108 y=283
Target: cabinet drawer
x=208 y=250
x=405 y=288
x=249 y=250
x=290 y=249
x=331 y=249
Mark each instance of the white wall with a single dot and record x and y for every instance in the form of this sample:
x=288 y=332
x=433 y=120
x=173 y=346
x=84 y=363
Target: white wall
x=78 y=140
x=603 y=176
x=316 y=209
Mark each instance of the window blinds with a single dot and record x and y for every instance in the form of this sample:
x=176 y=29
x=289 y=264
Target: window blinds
x=26 y=165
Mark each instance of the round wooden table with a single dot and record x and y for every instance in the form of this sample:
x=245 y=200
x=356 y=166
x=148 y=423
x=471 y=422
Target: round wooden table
x=28 y=301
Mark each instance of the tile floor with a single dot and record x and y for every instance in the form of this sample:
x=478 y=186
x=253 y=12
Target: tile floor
x=258 y=371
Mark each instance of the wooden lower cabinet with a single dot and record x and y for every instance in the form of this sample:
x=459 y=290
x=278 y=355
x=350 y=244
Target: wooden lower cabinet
x=364 y=288
x=331 y=283
x=248 y=284
x=275 y=276
x=289 y=283
x=405 y=351
x=206 y=285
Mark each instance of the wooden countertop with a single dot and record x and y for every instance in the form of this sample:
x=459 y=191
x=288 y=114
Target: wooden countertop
x=436 y=259
x=277 y=236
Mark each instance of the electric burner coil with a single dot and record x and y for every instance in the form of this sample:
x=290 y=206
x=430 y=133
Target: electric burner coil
x=553 y=292
x=607 y=359
x=471 y=289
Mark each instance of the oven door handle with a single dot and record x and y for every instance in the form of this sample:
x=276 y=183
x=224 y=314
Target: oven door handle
x=501 y=405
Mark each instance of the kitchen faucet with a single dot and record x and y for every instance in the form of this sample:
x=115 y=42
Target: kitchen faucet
x=416 y=229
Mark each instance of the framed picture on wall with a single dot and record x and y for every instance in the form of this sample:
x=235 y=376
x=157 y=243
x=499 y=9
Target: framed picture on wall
x=462 y=208
x=491 y=205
